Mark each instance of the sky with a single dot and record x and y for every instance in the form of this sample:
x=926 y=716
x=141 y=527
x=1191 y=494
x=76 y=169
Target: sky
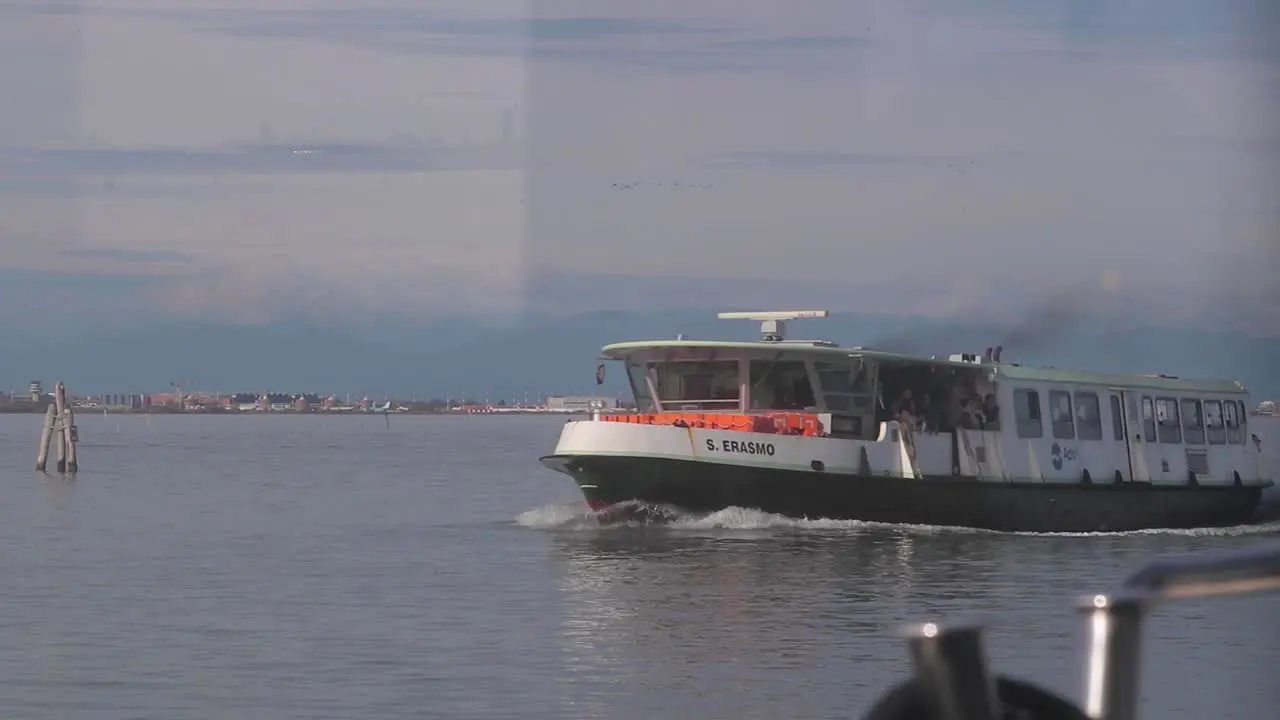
x=253 y=161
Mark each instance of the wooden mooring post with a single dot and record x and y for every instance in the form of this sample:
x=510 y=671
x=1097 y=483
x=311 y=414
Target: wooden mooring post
x=60 y=428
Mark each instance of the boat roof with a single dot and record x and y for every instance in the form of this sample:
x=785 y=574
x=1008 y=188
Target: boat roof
x=824 y=350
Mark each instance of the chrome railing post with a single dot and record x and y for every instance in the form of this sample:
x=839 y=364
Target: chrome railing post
x=1115 y=651
x=1115 y=631
x=951 y=667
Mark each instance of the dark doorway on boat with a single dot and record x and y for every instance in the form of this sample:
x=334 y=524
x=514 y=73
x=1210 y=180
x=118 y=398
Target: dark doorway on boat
x=937 y=398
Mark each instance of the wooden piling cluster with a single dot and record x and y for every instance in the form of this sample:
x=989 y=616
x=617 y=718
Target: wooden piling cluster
x=59 y=427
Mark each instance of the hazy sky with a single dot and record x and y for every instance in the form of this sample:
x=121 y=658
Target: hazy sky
x=271 y=157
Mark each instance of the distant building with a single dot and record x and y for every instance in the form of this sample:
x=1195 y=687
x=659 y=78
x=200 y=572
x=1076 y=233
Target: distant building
x=117 y=401
x=581 y=403
x=163 y=399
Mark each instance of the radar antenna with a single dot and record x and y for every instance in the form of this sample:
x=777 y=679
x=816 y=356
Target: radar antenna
x=773 y=325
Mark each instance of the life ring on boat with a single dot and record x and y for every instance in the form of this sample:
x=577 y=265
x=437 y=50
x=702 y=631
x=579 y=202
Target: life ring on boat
x=1018 y=698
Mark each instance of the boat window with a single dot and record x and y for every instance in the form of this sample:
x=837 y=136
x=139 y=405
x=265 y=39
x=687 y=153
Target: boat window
x=838 y=403
x=1192 y=422
x=1148 y=420
x=639 y=388
x=780 y=385
x=844 y=388
x=1167 y=418
x=1231 y=418
x=1064 y=425
x=1088 y=416
x=1215 y=429
x=704 y=385
x=838 y=378
x=1244 y=419
x=1026 y=409
x=1117 y=418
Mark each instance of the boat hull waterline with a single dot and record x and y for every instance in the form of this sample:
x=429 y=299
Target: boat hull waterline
x=699 y=486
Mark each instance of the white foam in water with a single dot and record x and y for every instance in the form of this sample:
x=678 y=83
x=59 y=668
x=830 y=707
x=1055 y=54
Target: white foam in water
x=557 y=516
x=577 y=516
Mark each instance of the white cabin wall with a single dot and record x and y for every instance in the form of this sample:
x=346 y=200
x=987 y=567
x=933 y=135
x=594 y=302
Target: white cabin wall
x=933 y=453
x=1034 y=458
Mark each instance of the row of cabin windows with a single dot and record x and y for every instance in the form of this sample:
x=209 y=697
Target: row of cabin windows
x=1194 y=422
x=1168 y=420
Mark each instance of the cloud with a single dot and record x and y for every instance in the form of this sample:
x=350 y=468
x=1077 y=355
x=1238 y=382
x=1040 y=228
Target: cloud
x=58 y=302
x=337 y=159
x=125 y=255
x=954 y=152
x=409 y=155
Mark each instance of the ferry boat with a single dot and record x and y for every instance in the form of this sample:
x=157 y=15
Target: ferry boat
x=808 y=429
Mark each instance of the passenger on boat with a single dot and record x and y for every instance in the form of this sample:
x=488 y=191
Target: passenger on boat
x=991 y=412
x=930 y=414
x=970 y=415
x=904 y=410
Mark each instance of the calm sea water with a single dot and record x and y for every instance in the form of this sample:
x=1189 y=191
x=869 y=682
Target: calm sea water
x=335 y=567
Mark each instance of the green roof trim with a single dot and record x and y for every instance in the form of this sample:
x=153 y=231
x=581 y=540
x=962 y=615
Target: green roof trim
x=1004 y=370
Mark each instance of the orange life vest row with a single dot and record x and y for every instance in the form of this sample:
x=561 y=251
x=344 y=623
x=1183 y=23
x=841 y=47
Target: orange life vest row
x=781 y=423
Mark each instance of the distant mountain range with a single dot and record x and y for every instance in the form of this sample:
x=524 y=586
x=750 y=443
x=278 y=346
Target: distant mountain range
x=540 y=355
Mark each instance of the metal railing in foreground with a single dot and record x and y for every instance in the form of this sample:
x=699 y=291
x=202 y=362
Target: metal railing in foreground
x=953 y=681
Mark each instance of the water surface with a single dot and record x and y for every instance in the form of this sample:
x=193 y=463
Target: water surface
x=343 y=567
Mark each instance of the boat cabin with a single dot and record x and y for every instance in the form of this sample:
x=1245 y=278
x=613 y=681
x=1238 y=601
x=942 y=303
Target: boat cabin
x=854 y=389
x=966 y=414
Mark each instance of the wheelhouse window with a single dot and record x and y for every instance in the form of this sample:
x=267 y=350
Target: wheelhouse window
x=700 y=385
x=1117 y=418
x=844 y=387
x=1167 y=419
x=1192 y=422
x=1215 y=428
x=1231 y=418
x=1244 y=420
x=780 y=385
x=1148 y=420
x=640 y=388
x=1026 y=410
x=1088 y=416
x=1064 y=426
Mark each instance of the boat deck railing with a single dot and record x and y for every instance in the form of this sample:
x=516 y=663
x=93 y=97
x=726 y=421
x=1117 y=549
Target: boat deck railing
x=952 y=680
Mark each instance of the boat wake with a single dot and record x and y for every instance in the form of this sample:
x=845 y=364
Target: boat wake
x=578 y=517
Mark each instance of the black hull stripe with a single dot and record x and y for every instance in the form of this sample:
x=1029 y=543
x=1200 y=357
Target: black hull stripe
x=1008 y=506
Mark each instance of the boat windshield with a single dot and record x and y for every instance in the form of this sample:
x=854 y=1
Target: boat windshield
x=780 y=385
x=698 y=385
x=639 y=387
